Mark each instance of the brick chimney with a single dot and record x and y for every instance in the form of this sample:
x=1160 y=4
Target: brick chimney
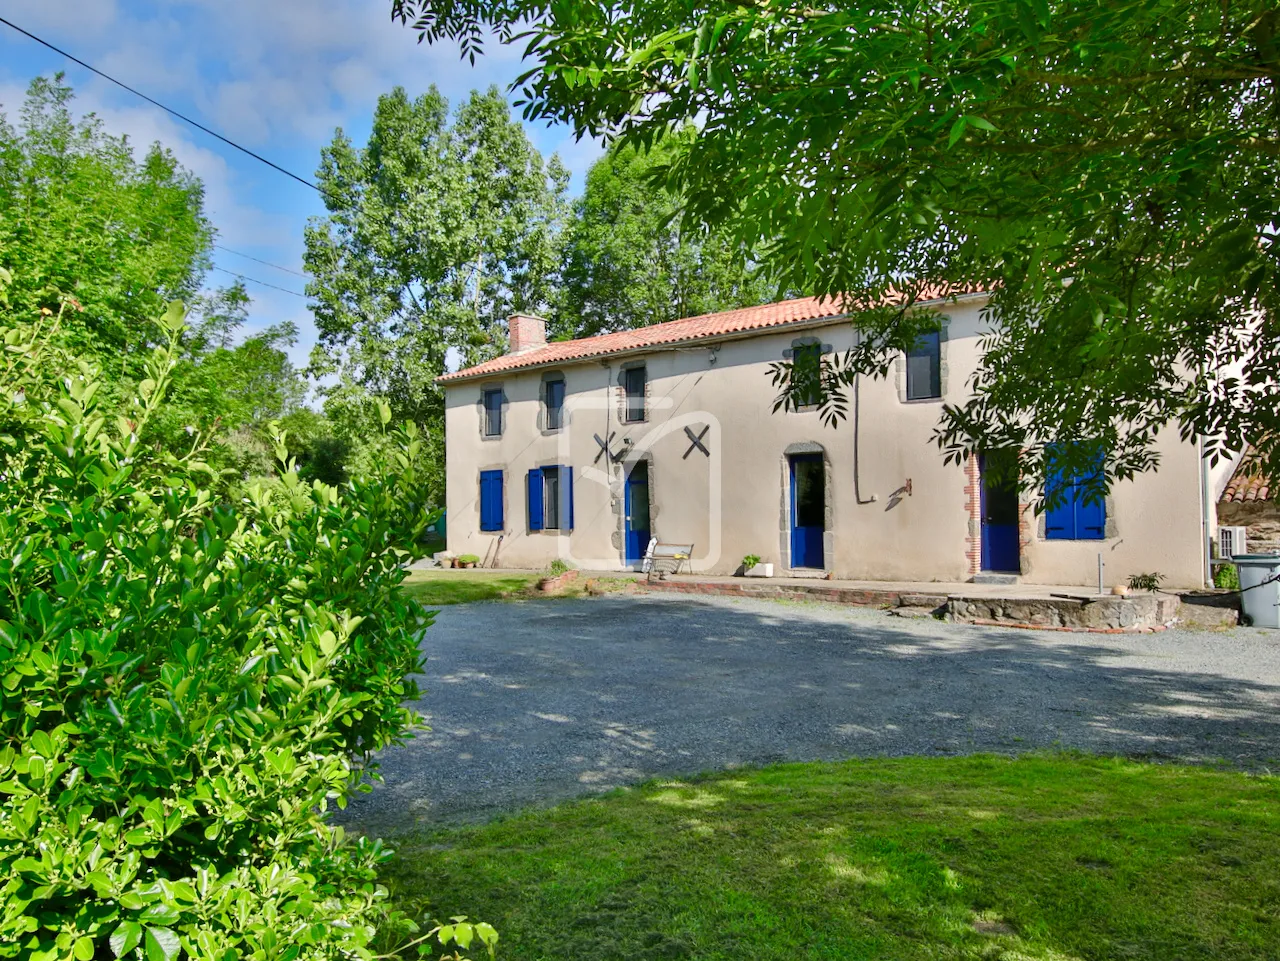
x=525 y=332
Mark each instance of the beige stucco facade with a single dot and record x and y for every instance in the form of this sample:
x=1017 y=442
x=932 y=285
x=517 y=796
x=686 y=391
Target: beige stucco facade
x=896 y=511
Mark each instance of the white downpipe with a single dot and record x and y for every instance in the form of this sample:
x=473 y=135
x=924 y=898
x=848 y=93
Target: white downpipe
x=1206 y=538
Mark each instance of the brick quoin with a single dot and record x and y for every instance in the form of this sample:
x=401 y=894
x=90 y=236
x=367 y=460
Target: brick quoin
x=973 y=504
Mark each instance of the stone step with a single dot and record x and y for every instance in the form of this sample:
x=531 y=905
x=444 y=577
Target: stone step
x=987 y=577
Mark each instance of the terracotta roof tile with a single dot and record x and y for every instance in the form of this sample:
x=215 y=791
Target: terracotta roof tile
x=1248 y=484
x=672 y=332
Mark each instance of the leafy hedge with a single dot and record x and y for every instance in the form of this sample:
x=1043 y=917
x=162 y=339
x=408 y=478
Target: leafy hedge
x=185 y=687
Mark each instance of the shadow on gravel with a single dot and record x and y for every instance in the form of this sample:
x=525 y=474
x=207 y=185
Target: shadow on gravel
x=535 y=702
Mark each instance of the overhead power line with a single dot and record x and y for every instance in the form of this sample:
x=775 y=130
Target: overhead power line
x=265 y=263
x=183 y=117
x=254 y=280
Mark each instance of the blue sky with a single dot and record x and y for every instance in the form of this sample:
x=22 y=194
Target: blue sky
x=273 y=75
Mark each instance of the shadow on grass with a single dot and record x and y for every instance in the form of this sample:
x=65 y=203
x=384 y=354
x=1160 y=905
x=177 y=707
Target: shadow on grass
x=1052 y=857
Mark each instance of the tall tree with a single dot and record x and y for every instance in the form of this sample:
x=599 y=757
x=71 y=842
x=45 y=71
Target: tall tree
x=81 y=216
x=436 y=232
x=103 y=239
x=231 y=386
x=629 y=259
x=1107 y=169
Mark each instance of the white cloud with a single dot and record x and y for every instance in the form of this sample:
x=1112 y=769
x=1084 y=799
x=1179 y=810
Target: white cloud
x=80 y=18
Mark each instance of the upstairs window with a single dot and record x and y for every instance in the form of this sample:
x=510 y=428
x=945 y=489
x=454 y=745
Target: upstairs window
x=635 y=384
x=924 y=368
x=1072 y=516
x=550 y=491
x=493 y=413
x=491 y=500
x=806 y=375
x=555 y=404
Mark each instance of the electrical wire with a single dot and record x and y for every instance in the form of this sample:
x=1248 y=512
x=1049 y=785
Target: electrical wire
x=265 y=263
x=254 y=280
x=157 y=103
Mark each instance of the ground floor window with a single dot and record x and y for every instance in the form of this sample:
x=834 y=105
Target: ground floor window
x=551 y=498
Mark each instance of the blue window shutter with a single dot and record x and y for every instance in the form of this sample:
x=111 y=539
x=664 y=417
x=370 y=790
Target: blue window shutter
x=1091 y=518
x=491 y=518
x=566 y=498
x=1060 y=520
x=535 y=499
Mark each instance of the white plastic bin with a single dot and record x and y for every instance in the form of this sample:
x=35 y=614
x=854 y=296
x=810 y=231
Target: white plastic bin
x=1260 y=588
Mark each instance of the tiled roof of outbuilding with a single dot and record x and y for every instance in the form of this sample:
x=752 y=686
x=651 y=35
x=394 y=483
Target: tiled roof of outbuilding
x=1249 y=484
x=687 y=329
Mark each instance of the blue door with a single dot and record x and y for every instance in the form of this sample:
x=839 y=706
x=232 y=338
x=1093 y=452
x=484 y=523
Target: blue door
x=808 y=510
x=637 y=512
x=999 y=517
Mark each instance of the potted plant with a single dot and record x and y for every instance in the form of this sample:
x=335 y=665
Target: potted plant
x=467 y=560
x=751 y=567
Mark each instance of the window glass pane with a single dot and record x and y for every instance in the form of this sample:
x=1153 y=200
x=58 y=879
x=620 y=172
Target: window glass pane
x=810 y=494
x=806 y=375
x=924 y=368
x=555 y=404
x=551 y=497
x=493 y=412
x=639 y=494
x=1000 y=487
x=635 y=393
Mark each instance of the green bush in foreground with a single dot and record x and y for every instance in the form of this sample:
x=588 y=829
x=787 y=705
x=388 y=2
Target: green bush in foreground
x=186 y=687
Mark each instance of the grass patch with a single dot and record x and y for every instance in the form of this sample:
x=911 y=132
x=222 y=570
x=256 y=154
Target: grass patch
x=434 y=588
x=1053 y=857
x=438 y=587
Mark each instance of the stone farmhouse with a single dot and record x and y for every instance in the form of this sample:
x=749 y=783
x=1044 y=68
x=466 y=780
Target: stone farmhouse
x=587 y=450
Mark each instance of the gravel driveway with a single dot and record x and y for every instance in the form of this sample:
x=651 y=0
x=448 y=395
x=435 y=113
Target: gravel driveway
x=532 y=702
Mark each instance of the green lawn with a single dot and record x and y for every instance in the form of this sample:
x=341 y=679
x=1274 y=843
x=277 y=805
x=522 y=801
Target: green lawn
x=447 y=586
x=439 y=586
x=1053 y=857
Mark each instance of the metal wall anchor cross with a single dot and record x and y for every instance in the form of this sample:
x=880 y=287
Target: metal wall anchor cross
x=604 y=447
x=697 y=442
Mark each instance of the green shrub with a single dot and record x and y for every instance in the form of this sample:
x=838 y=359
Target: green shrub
x=468 y=559
x=558 y=567
x=750 y=561
x=186 y=687
x=1227 y=577
x=1146 y=582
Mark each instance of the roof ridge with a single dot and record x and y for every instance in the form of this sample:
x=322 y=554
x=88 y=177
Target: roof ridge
x=737 y=320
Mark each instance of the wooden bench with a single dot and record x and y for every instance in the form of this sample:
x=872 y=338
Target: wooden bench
x=659 y=557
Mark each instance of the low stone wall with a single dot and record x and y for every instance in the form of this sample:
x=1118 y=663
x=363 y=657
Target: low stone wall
x=1109 y=614
x=1204 y=611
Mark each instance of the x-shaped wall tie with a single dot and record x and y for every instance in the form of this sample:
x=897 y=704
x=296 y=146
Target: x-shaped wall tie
x=697 y=442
